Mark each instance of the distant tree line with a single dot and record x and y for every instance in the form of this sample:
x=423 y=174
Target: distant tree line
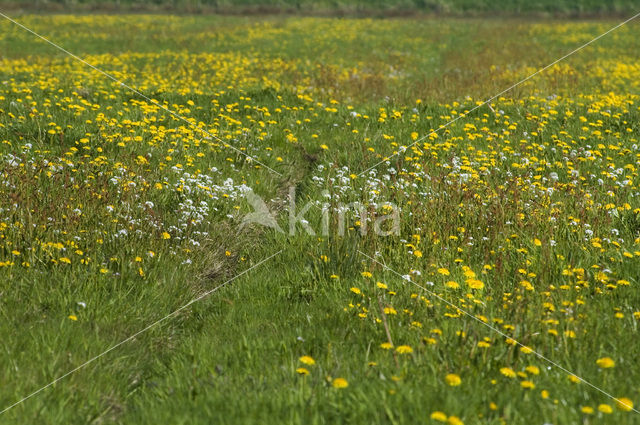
x=565 y=7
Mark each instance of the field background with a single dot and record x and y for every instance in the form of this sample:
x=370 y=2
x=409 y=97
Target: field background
x=341 y=7
x=113 y=214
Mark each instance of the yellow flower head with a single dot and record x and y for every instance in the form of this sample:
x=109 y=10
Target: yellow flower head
x=605 y=408
x=454 y=420
x=340 y=383
x=308 y=360
x=453 y=380
x=624 y=404
x=439 y=416
x=534 y=370
x=605 y=362
x=404 y=349
x=475 y=284
x=508 y=372
x=527 y=385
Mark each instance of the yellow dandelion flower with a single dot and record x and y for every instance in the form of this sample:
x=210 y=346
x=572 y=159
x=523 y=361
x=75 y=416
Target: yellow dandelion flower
x=534 y=370
x=452 y=284
x=475 y=283
x=308 y=360
x=439 y=416
x=468 y=273
x=404 y=349
x=454 y=420
x=508 y=372
x=527 y=385
x=605 y=362
x=340 y=383
x=302 y=371
x=453 y=380
x=605 y=408
x=624 y=404
x=527 y=285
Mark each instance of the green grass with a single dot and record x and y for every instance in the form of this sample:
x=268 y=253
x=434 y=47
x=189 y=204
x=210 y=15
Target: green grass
x=102 y=233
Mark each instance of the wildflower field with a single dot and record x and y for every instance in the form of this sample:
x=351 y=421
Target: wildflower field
x=506 y=293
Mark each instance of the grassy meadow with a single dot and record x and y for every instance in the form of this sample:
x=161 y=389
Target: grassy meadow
x=517 y=222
